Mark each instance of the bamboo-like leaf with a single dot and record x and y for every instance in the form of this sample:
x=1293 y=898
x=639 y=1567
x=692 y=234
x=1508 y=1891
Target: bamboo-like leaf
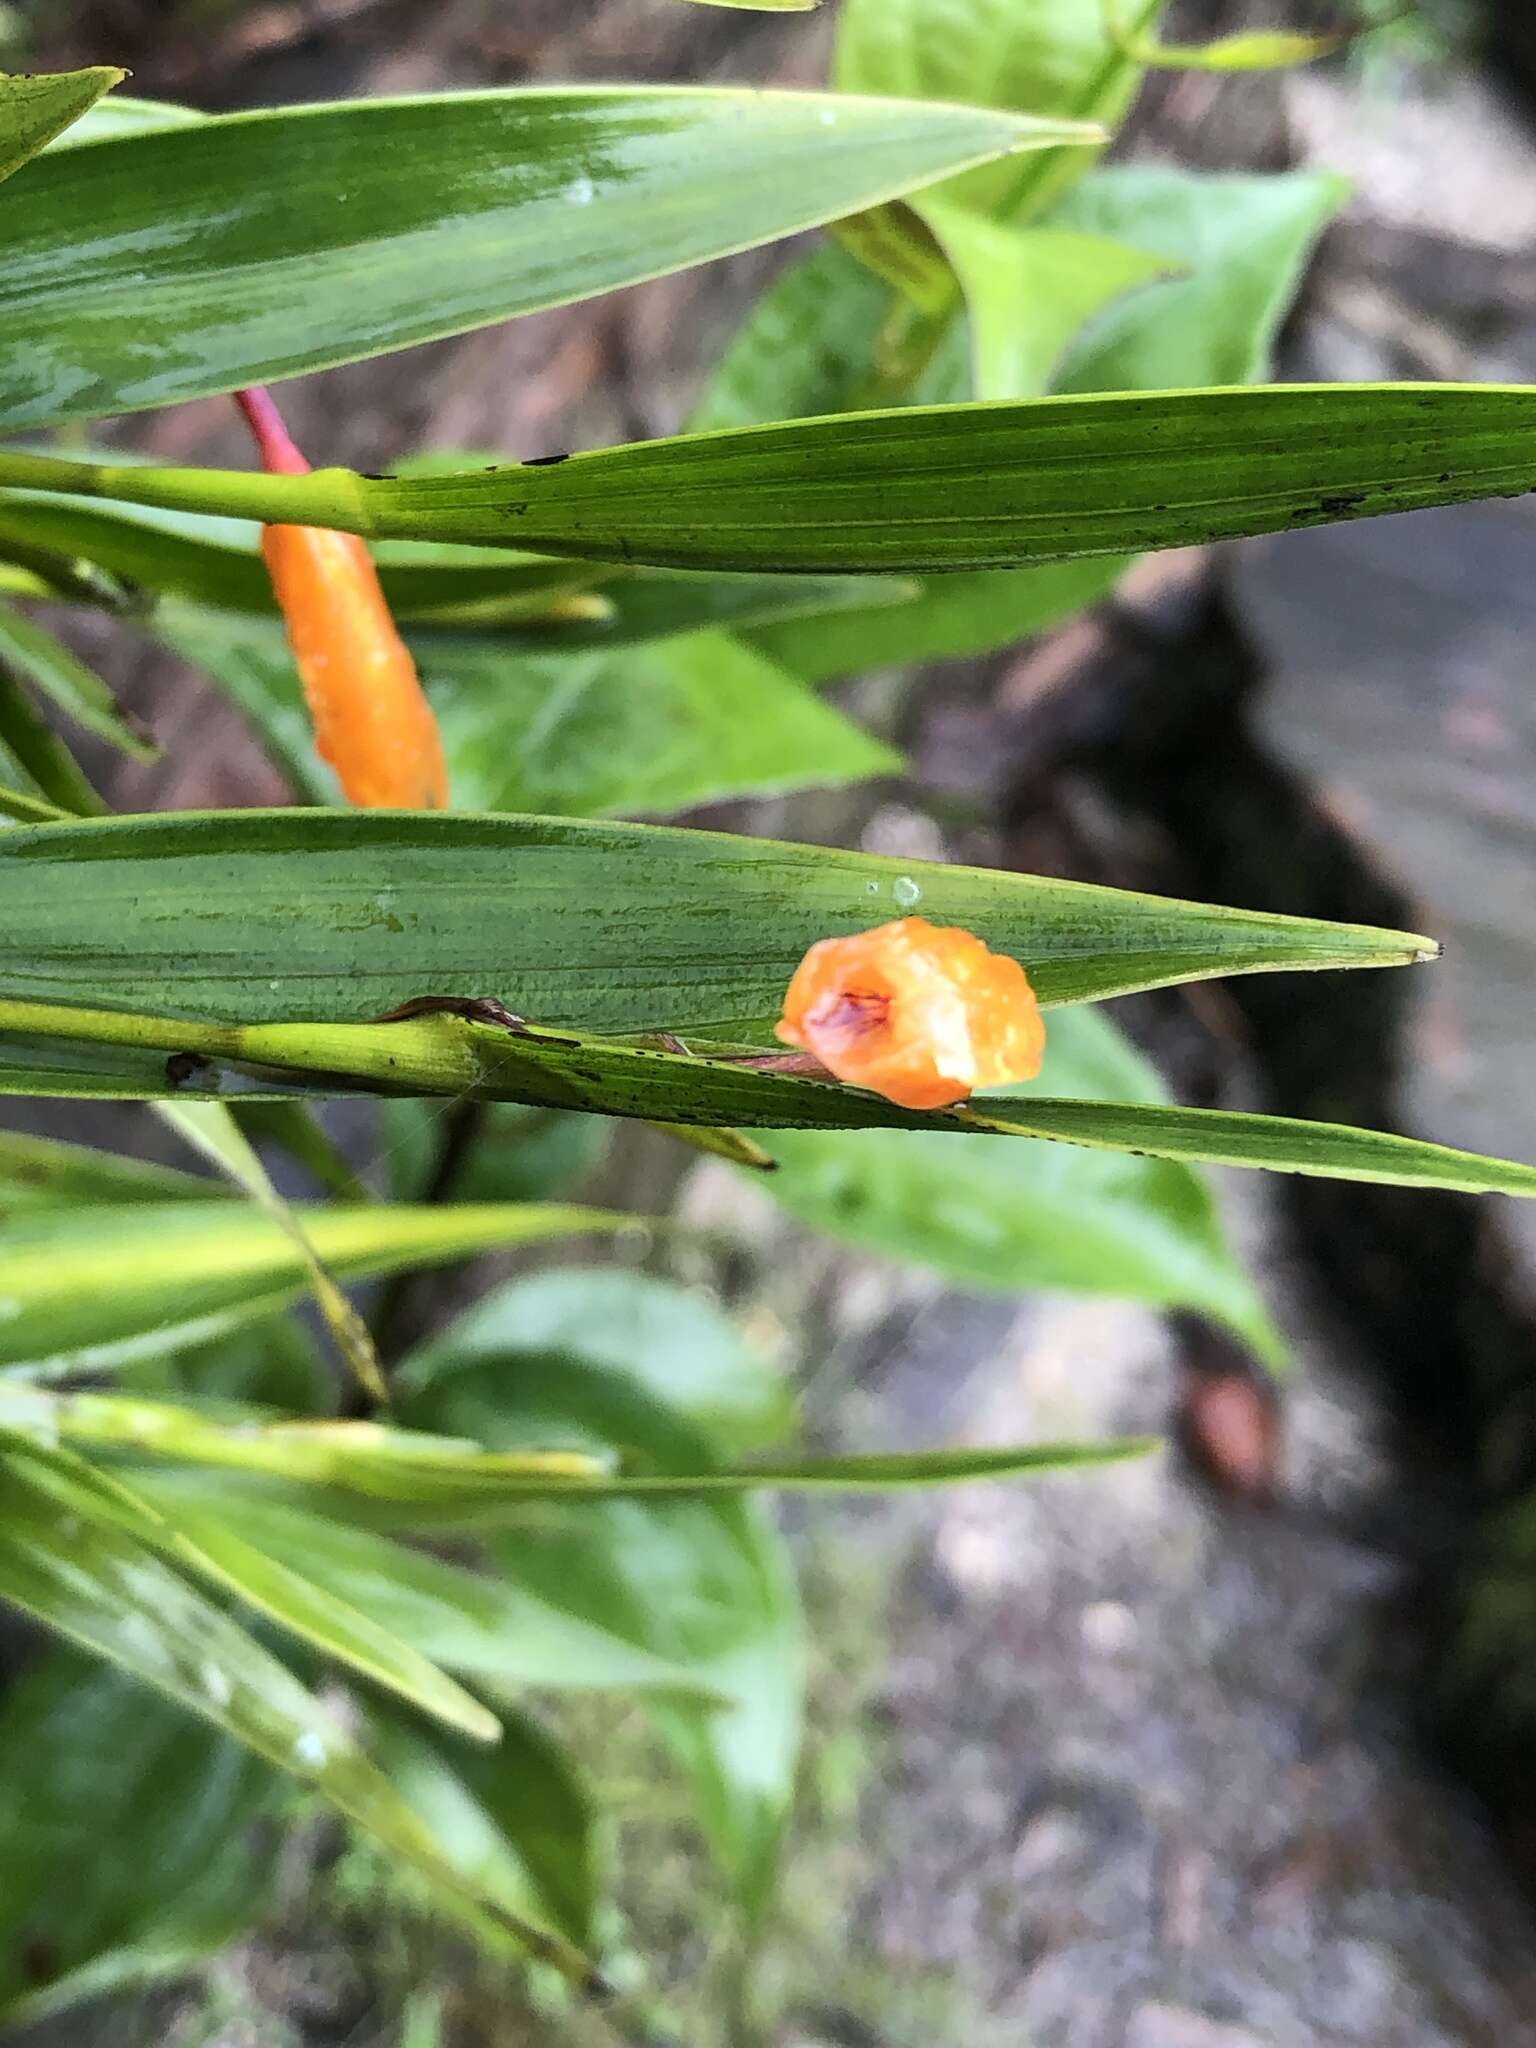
x=34 y=109
x=46 y=1173
x=211 y=1129
x=77 y=1551
x=935 y=487
x=40 y=753
x=88 y=1288
x=176 y=262
x=253 y=917
x=77 y=690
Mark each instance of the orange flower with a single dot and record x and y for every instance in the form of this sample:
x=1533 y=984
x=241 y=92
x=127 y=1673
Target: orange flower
x=919 y=1013
x=372 y=722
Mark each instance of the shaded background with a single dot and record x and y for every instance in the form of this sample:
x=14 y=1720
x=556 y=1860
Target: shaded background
x=1187 y=1755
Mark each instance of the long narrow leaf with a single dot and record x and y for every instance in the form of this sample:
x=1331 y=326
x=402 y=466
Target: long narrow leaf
x=34 y=109
x=938 y=487
x=185 y=260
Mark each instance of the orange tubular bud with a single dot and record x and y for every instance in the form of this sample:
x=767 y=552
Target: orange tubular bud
x=372 y=721
x=919 y=1013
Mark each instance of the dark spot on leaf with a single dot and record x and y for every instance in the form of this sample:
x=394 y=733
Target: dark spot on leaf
x=544 y=461
x=183 y=1067
x=39 y=1960
x=1339 y=502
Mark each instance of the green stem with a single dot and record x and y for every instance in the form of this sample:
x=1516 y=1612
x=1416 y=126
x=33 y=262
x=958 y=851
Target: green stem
x=326 y=497
x=120 y=1027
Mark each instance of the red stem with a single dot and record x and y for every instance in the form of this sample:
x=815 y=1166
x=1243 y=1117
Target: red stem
x=279 y=455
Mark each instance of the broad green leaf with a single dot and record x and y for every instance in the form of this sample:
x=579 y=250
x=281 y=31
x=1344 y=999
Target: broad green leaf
x=84 y=1289
x=1030 y=292
x=1058 y=57
x=652 y=729
x=500 y=1635
x=517 y=1820
x=1031 y=1215
x=34 y=108
x=47 y=1173
x=76 y=1553
x=932 y=487
x=520 y=1155
x=79 y=692
x=294 y=915
x=211 y=1129
x=423 y=217
x=1239 y=244
x=971 y=612
x=448 y=1056
x=39 y=752
x=132 y=1784
x=701 y=1583
x=675 y=1343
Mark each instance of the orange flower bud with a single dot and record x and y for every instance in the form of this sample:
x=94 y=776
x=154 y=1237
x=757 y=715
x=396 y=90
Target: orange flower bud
x=919 y=1013
x=372 y=721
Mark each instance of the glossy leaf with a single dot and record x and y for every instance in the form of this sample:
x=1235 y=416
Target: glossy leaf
x=82 y=696
x=1239 y=246
x=1031 y=1215
x=653 y=729
x=424 y=217
x=673 y=1342
x=612 y=928
x=76 y=1553
x=517 y=1819
x=83 y=1289
x=1052 y=56
x=35 y=108
x=132 y=1784
x=698 y=1582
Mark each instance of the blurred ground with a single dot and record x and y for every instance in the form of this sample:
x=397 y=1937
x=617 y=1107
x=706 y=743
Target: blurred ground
x=1115 y=1762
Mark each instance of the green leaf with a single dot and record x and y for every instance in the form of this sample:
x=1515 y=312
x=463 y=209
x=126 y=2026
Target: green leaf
x=657 y=728
x=216 y=561
x=24 y=809
x=122 y=114
x=1031 y=1215
x=1240 y=245
x=46 y=1173
x=1253 y=50
x=970 y=612
x=517 y=1820
x=702 y=1583
x=40 y=753
x=76 y=1553
x=500 y=1635
x=1030 y=292
x=211 y=1129
x=674 y=1343
x=169 y=264
x=610 y=928
x=935 y=487
x=520 y=1154
x=447 y=1056
x=84 y=1289
x=340 y=1631
x=1057 y=57
x=78 y=691
x=33 y=109
x=133 y=1784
